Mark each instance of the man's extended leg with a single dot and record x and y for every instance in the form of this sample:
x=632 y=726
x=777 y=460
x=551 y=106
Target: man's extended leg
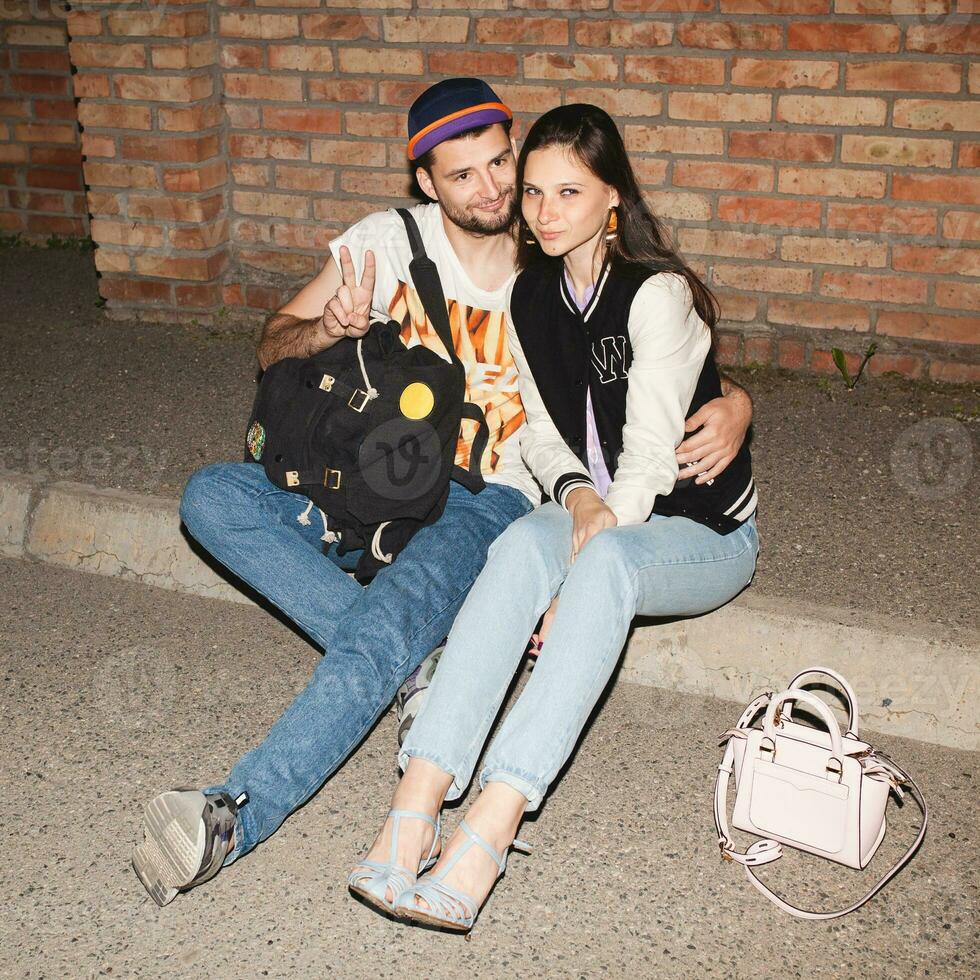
x=380 y=639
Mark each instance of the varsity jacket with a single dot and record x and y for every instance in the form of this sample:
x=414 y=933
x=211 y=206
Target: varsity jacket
x=644 y=353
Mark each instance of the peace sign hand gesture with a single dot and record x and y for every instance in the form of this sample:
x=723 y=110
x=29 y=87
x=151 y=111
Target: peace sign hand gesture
x=348 y=313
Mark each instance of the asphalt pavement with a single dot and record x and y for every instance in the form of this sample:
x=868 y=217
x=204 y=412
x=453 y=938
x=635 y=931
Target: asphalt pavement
x=114 y=691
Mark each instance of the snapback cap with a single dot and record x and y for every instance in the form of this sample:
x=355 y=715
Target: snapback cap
x=449 y=108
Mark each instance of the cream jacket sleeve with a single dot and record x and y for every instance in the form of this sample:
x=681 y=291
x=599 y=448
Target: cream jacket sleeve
x=670 y=343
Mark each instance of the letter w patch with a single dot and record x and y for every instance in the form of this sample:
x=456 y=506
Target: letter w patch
x=609 y=357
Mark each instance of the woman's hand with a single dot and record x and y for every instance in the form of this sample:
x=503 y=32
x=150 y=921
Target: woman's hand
x=590 y=515
x=537 y=639
x=723 y=424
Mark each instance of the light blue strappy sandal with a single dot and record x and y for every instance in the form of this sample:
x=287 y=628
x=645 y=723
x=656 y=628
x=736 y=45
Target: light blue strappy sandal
x=371 y=879
x=450 y=908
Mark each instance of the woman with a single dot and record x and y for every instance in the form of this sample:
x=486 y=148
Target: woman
x=611 y=333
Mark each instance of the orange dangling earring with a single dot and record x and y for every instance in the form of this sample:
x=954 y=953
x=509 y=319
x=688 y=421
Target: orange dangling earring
x=612 y=226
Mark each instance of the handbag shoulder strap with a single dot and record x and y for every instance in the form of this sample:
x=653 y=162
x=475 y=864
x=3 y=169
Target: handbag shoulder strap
x=425 y=275
x=764 y=851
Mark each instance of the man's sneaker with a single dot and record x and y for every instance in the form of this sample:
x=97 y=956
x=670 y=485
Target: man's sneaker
x=187 y=837
x=412 y=694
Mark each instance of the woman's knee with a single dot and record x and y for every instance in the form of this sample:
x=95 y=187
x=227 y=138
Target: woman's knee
x=528 y=540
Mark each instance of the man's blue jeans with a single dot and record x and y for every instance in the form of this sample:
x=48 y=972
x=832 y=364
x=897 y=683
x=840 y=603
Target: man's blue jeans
x=373 y=637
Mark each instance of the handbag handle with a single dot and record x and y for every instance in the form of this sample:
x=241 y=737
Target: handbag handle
x=826 y=715
x=849 y=696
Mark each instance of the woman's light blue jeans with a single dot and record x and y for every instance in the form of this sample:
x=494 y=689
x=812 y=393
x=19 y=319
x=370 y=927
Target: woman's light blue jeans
x=669 y=566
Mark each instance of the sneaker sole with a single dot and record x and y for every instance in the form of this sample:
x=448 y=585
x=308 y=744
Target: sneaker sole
x=171 y=854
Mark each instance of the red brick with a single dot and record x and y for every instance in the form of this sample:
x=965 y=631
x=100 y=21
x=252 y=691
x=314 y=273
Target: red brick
x=667 y=70
x=389 y=61
x=819 y=315
x=775 y=7
x=730 y=176
x=98 y=146
x=773 y=73
x=791 y=354
x=88 y=54
x=302 y=120
x=581 y=67
x=158 y=23
x=874 y=288
x=831 y=110
x=171 y=149
x=961 y=226
x=104 y=202
x=938 y=260
x=203 y=177
x=946 y=190
x=164 y=88
x=202 y=297
x=478 y=63
x=662 y=6
x=402 y=93
x=180 y=267
x=624 y=102
x=621 y=34
x=119 y=175
x=763 y=278
x=769 y=211
x=831 y=182
x=341 y=27
x=758 y=350
x=903 y=76
x=834 y=251
x=307 y=237
x=822 y=362
x=50 y=224
x=929 y=326
x=281 y=88
x=243 y=115
x=61 y=109
x=264 y=298
x=269 y=147
x=720 y=106
x=523 y=30
x=378 y=184
x=317 y=179
x=827 y=36
x=65 y=180
x=289 y=263
x=954 y=38
x=341 y=90
x=956 y=372
x=296 y=58
x=126 y=233
x=969 y=155
x=675 y=139
x=351 y=153
x=232 y=294
x=268 y=26
x=896 y=151
x=84 y=23
x=135 y=290
x=881 y=219
x=172 y=208
x=13 y=153
x=89 y=86
x=959 y=296
x=35 y=35
x=705 y=241
x=44 y=61
x=272 y=205
x=39 y=84
x=342 y=212
x=242 y=56
x=727 y=347
x=937 y=114
x=728 y=35
x=413 y=29
x=907 y=365
x=189 y=119
x=201 y=238
x=40 y=133
x=809 y=147
x=181 y=57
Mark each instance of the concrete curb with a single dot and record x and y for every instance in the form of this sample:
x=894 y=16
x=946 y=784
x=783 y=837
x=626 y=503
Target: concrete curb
x=910 y=679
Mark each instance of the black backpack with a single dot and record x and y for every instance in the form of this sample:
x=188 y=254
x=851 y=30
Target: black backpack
x=367 y=429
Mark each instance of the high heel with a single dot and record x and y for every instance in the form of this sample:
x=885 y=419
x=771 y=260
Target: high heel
x=372 y=879
x=450 y=908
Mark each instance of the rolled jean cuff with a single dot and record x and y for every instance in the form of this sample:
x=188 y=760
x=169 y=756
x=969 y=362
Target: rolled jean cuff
x=455 y=791
x=524 y=783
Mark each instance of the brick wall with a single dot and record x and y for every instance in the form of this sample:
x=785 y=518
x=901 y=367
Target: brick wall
x=816 y=159
x=41 y=190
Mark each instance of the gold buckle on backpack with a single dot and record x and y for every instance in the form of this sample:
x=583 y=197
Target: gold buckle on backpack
x=326 y=382
x=364 y=399
x=292 y=478
x=331 y=479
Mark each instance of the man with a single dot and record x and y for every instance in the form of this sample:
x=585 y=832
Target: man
x=374 y=636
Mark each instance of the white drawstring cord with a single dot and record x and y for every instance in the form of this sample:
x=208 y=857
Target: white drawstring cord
x=304 y=518
x=371 y=391
x=329 y=536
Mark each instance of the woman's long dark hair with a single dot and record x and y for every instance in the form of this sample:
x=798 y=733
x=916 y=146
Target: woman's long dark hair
x=642 y=244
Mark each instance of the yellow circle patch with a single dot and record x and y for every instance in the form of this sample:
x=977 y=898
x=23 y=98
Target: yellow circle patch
x=417 y=401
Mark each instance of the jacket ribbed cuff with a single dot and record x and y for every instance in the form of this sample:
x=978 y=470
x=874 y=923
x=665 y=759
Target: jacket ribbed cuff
x=566 y=483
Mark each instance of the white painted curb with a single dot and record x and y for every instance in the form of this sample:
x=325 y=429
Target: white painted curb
x=909 y=680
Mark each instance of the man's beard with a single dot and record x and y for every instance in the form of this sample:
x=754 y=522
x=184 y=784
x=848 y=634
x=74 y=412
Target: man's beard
x=484 y=224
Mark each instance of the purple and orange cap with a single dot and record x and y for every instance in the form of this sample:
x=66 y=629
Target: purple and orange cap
x=449 y=108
